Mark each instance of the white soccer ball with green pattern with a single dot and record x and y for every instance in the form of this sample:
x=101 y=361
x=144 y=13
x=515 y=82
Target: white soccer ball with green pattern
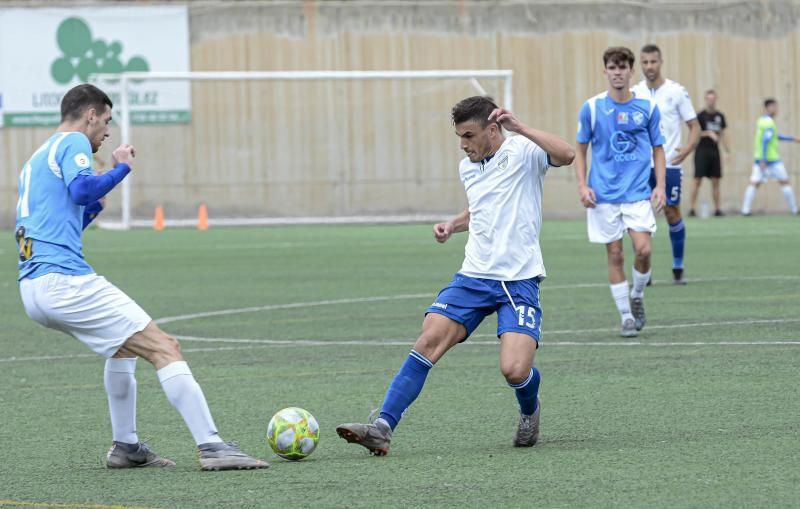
x=293 y=433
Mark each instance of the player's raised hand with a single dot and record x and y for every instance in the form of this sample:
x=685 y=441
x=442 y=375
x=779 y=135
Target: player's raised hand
x=588 y=198
x=658 y=198
x=123 y=154
x=506 y=119
x=442 y=232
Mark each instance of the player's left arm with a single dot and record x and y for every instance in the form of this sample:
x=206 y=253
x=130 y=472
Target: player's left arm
x=91 y=212
x=659 y=195
x=786 y=137
x=559 y=151
x=688 y=115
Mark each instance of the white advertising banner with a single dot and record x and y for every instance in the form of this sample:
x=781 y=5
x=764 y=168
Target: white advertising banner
x=46 y=51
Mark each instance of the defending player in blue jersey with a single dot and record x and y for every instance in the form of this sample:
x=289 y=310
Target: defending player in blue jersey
x=58 y=197
x=624 y=132
x=503 y=178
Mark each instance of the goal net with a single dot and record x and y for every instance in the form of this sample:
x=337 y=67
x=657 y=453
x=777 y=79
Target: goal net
x=296 y=147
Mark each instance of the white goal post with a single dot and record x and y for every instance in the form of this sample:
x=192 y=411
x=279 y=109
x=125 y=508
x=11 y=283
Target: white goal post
x=124 y=81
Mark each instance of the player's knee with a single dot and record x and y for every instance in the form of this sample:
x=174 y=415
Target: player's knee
x=428 y=344
x=616 y=255
x=515 y=371
x=165 y=350
x=644 y=252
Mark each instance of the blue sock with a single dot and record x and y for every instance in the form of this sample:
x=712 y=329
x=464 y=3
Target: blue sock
x=405 y=387
x=677 y=234
x=527 y=392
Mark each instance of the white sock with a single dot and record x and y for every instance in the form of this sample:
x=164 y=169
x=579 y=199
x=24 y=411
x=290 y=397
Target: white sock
x=187 y=397
x=639 y=282
x=749 y=196
x=121 y=390
x=620 y=293
x=788 y=194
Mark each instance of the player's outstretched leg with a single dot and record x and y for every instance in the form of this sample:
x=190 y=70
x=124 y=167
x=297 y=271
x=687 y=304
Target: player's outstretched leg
x=187 y=397
x=126 y=451
x=439 y=334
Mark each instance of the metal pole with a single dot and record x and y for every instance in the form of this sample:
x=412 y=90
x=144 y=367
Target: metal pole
x=125 y=132
x=508 y=98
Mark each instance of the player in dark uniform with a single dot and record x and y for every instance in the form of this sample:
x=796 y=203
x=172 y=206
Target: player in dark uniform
x=707 y=160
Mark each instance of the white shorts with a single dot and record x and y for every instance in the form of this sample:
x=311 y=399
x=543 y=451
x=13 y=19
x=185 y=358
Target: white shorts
x=776 y=171
x=608 y=222
x=88 y=307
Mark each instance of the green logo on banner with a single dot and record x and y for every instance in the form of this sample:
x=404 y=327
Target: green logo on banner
x=84 y=56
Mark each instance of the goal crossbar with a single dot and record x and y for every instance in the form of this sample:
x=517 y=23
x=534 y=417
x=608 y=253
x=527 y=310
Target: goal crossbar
x=125 y=79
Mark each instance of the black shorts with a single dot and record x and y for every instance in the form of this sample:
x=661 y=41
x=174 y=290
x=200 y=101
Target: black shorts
x=707 y=164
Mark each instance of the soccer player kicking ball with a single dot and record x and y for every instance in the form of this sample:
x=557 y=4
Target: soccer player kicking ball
x=624 y=131
x=502 y=269
x=58 y=198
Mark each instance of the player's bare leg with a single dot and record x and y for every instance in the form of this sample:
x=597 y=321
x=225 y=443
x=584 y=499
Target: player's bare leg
x=716 y=197
x=517 y=353
x=642 y=245
x=619 y=287
x=695 y=191
x=439 y=334
x=185 y=394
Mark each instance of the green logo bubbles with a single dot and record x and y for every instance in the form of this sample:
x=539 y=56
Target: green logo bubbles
x=84 y=56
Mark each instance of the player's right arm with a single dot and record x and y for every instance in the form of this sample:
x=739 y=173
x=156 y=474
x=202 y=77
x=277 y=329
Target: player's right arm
x=87 y=189
x=586 y=193
x=443 y=231
x=584 y=136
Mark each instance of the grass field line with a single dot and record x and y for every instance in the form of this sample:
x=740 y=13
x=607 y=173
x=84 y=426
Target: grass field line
x=381 y=298
x=250 y=344
x=26 y=504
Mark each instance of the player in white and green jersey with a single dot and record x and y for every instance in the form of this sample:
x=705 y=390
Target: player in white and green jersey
x=768 y=164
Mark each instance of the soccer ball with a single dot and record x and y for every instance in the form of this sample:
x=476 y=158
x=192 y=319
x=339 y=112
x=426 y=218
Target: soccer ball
x=293 y=433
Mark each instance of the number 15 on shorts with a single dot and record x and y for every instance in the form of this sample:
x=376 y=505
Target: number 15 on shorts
x=526 y=316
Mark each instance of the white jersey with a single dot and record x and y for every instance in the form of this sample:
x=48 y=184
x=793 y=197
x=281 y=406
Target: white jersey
x=505 y=212
x=675 y=108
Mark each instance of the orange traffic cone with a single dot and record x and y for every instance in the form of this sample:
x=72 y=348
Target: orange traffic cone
x=158 y=223
x=202 y=217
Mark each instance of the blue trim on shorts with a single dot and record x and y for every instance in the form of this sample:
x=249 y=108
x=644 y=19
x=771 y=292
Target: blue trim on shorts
x=468 y=301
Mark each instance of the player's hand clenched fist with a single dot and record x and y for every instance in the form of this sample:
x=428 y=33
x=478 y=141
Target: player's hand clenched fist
x=442 y=232
x=123 y=154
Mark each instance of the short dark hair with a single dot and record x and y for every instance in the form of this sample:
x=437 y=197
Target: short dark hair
x=82 y=97
x=618 y=55
x=711 y=91
x=769 y=101
x=651 y=48
x=477 y=107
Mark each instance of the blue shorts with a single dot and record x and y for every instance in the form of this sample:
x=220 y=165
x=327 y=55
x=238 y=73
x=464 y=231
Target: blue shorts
x=673 y=181
x=468 y=301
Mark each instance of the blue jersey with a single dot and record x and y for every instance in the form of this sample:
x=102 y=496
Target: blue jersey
x=622 y=136
x=49 y=223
